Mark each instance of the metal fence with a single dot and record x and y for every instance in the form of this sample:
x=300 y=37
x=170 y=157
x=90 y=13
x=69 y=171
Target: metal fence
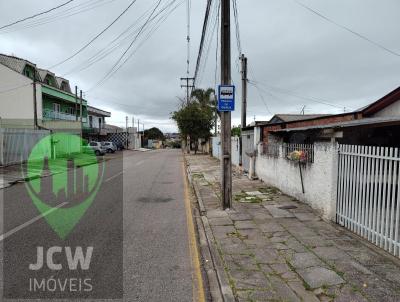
x=271 y=149
x=306 y=149
x=16 y=144
x=368 y=194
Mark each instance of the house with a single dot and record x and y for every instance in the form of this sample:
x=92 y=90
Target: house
x=346 y=166
x=49 y=104
x=95 y=126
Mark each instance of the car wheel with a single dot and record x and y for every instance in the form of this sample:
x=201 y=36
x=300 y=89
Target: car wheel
x=97 y=152
x=109 y=150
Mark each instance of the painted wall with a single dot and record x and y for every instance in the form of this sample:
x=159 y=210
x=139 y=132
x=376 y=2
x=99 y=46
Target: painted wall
x=319 y=177
x=17 y=104
x=390 y=111
x=216 y=149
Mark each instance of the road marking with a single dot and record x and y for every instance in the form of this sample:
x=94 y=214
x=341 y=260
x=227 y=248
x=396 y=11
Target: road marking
x=33 y=220
x=112 y=177
x=139 y=163
x=198 y=288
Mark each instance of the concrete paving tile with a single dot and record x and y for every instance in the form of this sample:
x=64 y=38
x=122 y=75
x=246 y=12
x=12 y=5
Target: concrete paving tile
x=240 y=216
x=220 y=221
x=280 y=268
x=278 y=213
x=270 y=227
x=306 y=216
x=304 y=294
x=245 y=224
x=216 y=213
x=249 y=279
x=317 y=277
x=304 y=260
x=330 y=253
x=282 y=291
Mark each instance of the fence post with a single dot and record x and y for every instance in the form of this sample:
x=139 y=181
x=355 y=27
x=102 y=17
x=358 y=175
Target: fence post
x=334 y=151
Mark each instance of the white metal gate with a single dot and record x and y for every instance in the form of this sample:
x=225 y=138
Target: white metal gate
x=368 y=193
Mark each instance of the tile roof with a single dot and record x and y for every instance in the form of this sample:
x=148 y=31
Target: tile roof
x=15 y=63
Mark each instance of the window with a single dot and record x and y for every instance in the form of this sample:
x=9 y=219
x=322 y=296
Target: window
x=56 y=107
x=71 y=110
x=90 y=121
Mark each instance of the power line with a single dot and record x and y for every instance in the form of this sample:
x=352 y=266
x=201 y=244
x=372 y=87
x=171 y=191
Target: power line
x=237 y=31
x=109 y=48
x=348 y=29
x=96 y=37
x=114 y=69
x=188 y=8
x=36 y=15
x=203 y=35
x=69 y=12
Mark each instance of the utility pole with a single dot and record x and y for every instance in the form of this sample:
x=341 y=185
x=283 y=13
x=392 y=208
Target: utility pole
x=81 y=112
x=76 y=103
x=244 y=104
x=35 y=118
x=226 y=163
x=127 y=132
x=187 y=85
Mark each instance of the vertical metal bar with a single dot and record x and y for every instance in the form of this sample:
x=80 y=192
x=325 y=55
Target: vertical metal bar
x=351 y=191
x=339 y=199
x=378 y=212
x=359 y=188
x=372 y=194
x=388 y=198
x=347 y=186
x=394 y=199
x=381 y=221
x=396 y=235
x=364 y=189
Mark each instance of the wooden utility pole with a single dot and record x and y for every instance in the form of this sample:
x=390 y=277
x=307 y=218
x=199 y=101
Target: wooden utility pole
x=80 y=111
x=226 y=161
x=76 y=103
x=35 y=115
x=244 y=104
x=188 y=85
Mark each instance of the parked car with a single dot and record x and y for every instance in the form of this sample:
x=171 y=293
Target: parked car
x=96 y=147
x=120 y=146
x=109 y=146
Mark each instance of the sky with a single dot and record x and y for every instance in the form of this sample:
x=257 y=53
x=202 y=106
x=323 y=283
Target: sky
x=297 y=60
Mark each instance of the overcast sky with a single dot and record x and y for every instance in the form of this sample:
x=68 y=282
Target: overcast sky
x=295 y=56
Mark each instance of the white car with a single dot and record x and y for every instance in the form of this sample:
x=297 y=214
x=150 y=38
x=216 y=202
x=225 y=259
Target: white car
x=110 y=147
x=97 y=148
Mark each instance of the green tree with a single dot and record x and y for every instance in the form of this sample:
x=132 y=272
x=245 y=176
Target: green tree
x=154 y=133
x=196 y=119
x=236 y=131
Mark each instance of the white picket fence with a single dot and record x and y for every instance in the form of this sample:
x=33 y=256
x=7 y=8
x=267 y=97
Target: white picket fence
x=368 y=194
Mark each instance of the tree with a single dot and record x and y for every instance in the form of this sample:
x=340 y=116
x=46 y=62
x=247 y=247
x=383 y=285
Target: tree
x=196 y=119
x=236 y=131
x=154 y=133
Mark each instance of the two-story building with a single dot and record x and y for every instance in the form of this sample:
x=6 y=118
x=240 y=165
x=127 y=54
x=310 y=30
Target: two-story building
x=31 y=97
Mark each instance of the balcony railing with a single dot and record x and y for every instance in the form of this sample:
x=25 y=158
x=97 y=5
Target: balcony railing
x=57 y=115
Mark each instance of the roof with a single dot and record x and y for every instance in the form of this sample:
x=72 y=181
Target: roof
x=98 y=111
x=381 y=121
x=15 y=63
x=295 y=117
x=383 y=102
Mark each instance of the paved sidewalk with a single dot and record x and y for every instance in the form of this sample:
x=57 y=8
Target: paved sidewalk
x=275 y=248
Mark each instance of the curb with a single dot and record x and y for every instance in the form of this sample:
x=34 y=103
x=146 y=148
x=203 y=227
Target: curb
x=220 y=289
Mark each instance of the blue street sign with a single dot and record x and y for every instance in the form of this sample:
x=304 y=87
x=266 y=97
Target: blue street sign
x=226 y=98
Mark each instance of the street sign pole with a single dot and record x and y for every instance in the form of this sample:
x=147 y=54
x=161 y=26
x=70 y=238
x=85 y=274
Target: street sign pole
x=226 y=166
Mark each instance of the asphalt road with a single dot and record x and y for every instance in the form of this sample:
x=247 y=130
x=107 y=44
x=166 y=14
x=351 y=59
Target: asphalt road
x=136 y=225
